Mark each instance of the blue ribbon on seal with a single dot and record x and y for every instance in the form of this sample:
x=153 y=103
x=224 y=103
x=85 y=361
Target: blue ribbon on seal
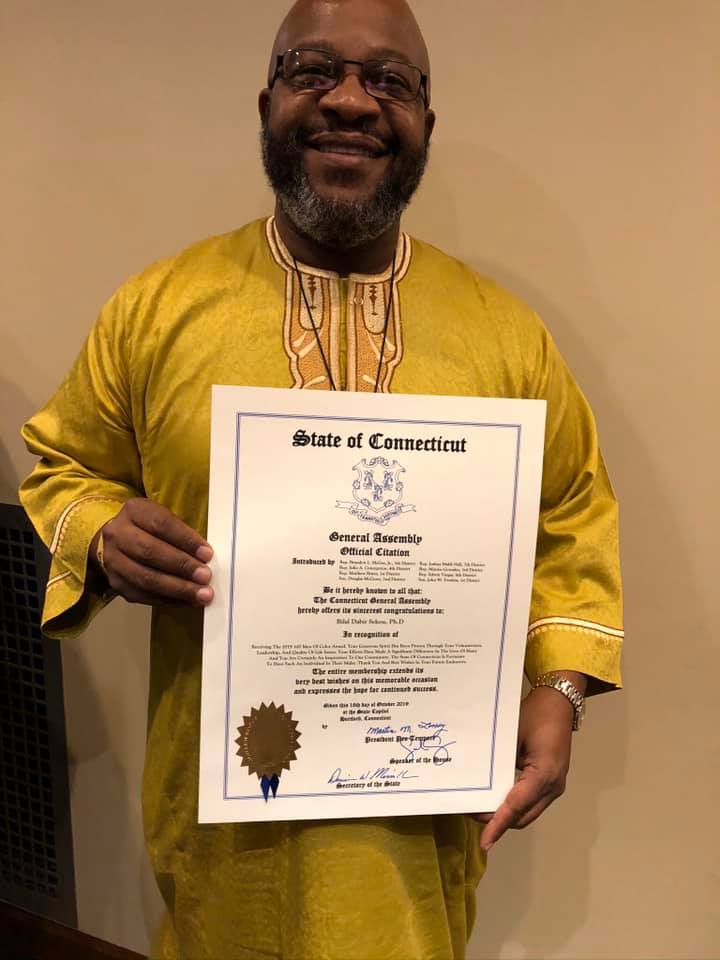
x=270 y=783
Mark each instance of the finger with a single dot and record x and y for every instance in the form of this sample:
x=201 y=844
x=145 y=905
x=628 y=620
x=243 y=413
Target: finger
x=161 y=523
x=151 y=552
x=152 y=585
x=126 y=590
x=522 y=798
x=531 y=815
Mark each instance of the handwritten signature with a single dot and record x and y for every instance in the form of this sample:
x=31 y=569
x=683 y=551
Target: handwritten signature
x=380 y=773
x=424 y=737
x=433 y=725
x=434 y=745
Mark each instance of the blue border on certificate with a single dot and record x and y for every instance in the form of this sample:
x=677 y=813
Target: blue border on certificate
x=426 y=423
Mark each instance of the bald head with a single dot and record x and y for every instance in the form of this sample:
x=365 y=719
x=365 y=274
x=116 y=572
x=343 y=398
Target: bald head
x=389 y=25
x=345 y=139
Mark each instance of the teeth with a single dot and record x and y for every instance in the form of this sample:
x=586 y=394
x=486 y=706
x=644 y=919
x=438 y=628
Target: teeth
x=350 y=150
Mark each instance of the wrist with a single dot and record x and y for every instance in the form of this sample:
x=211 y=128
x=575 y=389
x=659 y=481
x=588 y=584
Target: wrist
x=97 y=578
x=92 y=553
x=553 y=701
x=568 y=685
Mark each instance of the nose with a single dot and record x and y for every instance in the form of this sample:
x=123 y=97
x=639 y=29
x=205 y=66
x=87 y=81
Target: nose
x=350 y=100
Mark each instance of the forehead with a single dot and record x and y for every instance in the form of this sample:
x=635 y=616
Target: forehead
x=355 y=30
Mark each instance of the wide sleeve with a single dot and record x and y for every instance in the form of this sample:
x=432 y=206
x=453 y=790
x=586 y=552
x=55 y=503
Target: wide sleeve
x=89 y=467
x=576 y=609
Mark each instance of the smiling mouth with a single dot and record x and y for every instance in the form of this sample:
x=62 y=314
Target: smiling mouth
x=367 y=148
x=348 y=151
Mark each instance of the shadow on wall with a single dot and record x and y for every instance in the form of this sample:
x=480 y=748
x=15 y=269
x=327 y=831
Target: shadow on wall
x=105 y=681
x=506 y=216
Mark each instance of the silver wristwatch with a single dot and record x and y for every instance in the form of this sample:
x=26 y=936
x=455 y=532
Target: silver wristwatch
x=567 y=689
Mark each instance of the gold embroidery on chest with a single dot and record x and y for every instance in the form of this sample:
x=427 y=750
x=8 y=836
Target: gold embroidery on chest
x=367 y=309
x=365 y=314
x=301 y=344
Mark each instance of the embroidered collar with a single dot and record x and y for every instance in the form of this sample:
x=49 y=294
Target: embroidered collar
x=283 y=258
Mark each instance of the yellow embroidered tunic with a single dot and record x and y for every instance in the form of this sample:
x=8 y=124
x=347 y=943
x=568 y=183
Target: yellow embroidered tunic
x=132 y=419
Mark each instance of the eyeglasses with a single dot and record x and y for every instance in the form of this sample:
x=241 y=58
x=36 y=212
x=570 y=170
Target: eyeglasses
x=319 y=72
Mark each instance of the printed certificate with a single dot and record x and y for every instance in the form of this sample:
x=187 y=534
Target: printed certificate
x=373 y=566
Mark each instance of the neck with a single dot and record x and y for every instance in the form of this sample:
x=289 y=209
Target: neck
x=370 y=258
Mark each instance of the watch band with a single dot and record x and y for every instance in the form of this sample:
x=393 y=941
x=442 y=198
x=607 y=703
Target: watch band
x=568 y=689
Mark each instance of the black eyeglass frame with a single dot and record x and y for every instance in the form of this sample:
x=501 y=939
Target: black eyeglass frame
x=422 y=88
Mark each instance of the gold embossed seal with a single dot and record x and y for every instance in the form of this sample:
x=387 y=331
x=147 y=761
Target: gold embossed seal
x=268 y=742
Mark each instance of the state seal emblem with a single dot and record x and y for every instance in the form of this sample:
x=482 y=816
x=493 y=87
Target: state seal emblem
x=268 y=742
x=378 y=491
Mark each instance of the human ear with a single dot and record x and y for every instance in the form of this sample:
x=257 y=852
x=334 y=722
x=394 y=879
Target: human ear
x=429 y=124
x=264 y=104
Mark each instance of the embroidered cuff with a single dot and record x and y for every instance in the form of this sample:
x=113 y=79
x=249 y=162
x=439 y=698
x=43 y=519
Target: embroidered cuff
x=564 y=643
x=70 y=603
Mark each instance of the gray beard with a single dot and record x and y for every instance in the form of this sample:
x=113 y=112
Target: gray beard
x=333 y=223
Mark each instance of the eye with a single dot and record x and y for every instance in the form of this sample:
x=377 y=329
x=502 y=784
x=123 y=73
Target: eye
x=312 y=76
x=310 y=70
x=392 y=81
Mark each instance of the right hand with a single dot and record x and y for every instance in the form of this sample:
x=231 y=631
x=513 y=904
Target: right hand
x=151 y=556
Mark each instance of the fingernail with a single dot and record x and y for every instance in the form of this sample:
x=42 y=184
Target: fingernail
x=202 y=575
x=204 y=595
x=204 y=553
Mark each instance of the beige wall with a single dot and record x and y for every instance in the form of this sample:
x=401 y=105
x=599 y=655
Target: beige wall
x=575 y=160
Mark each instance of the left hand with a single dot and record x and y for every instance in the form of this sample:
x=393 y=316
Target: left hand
x=543 y=759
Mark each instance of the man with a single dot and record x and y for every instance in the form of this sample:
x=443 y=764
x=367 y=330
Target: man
x=328 y=294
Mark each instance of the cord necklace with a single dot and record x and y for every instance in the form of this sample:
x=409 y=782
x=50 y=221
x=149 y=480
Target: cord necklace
x=388 y=307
